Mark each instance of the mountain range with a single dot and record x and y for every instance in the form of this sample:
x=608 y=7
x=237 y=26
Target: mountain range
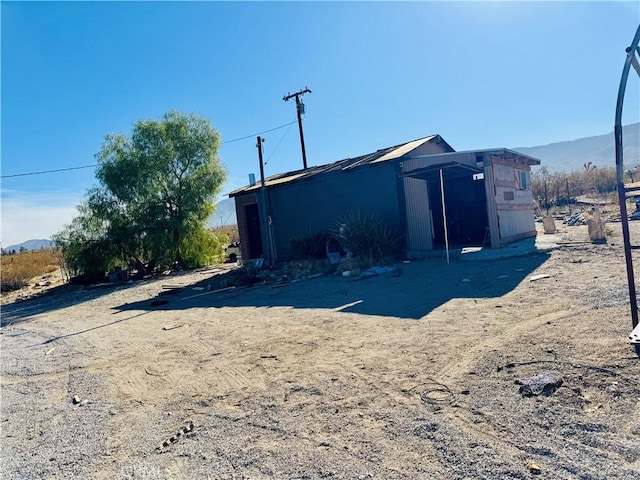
x=599 y=150
x=30 y=245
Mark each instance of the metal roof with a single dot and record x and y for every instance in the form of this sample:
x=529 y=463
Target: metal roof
x=498 y=152
x=380 y=156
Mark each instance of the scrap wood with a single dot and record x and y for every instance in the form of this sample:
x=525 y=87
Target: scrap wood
x=307 y=277
x=171 y=327
x=207 y=293
x=243 y=290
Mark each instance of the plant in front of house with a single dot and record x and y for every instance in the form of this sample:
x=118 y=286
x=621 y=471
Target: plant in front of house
x=367 y=238
x=309 y=246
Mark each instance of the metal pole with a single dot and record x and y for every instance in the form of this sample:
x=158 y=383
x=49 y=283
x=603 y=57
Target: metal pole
x=622 y=198
x=444 y=216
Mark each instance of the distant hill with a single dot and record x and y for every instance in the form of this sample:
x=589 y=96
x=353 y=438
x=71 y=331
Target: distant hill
x=599 y=150
x=225 y=213
x=30 y=245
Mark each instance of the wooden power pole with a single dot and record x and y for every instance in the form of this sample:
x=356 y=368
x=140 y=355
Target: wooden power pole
x=300 y=111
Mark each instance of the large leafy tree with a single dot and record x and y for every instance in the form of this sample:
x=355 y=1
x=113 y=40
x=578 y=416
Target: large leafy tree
x=156 y=190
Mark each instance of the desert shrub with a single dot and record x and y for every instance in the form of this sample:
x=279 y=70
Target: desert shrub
x=310 y=246
x=367 y=237
x=19 y=268
x=203 y=246
x=228 y=232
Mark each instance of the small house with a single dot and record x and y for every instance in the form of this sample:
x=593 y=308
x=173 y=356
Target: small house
x=484 y=196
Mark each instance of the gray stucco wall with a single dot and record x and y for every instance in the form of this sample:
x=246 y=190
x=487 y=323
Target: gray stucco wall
x=313 y=206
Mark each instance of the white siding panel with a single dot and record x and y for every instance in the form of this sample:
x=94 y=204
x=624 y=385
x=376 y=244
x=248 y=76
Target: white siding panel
x=515 y=222
x=503 y=173
x=520 y=197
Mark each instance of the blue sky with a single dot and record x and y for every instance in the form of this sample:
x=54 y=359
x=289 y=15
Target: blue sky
x=481 y=74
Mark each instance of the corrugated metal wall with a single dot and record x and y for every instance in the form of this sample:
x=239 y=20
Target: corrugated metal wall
x=311 y=206
x=419 y=235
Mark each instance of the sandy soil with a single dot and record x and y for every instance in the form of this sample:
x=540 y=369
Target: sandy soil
x=393 y=377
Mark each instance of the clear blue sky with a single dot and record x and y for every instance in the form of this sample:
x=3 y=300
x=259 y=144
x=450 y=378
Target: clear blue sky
x=481 y=74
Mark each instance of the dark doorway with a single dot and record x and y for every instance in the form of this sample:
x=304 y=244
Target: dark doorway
x=466 y=209
x=252 y=215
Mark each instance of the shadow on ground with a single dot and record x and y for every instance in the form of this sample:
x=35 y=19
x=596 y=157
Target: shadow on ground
x=55 y=298
x=420 y=287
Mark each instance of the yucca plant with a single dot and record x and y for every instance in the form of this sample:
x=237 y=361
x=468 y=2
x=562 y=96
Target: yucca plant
x=310 y=246
x=367 y=237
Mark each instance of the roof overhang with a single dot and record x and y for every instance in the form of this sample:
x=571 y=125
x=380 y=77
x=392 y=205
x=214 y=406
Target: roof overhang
x=450 y=170
x=504 y=153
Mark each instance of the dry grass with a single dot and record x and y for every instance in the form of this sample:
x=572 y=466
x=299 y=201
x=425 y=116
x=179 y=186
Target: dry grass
x=17 y=269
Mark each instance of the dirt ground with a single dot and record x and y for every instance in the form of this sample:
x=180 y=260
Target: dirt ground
x=408 y=376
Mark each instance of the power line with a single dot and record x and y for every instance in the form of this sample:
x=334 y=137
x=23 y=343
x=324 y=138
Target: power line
x=47 y=171
x=279 y=142
x=260 y=133
x=90 y=166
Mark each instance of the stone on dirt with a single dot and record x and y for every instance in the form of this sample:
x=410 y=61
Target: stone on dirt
x=544 y=384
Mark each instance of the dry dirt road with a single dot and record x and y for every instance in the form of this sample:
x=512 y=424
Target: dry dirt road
x=393 y=377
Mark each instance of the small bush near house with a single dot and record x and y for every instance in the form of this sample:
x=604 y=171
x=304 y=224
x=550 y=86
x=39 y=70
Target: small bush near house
x=367 y=238
x=310 y=246
x=19 y=268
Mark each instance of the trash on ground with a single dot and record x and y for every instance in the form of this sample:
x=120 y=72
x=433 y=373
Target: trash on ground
x=577 y=218
x=535 y=468
x=544 y=384
x=373 y=271
x=334 y=258
x=76 y=399
x=539 y=277
x=50 y=351
x=17 y=333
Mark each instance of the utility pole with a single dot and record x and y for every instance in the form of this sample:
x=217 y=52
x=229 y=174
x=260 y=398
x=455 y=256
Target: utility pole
x=264 y=217
x=300 y=110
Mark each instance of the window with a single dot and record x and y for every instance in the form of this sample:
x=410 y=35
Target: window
x=523 y=179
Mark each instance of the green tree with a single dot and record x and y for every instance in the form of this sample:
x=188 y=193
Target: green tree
x=157 y=188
